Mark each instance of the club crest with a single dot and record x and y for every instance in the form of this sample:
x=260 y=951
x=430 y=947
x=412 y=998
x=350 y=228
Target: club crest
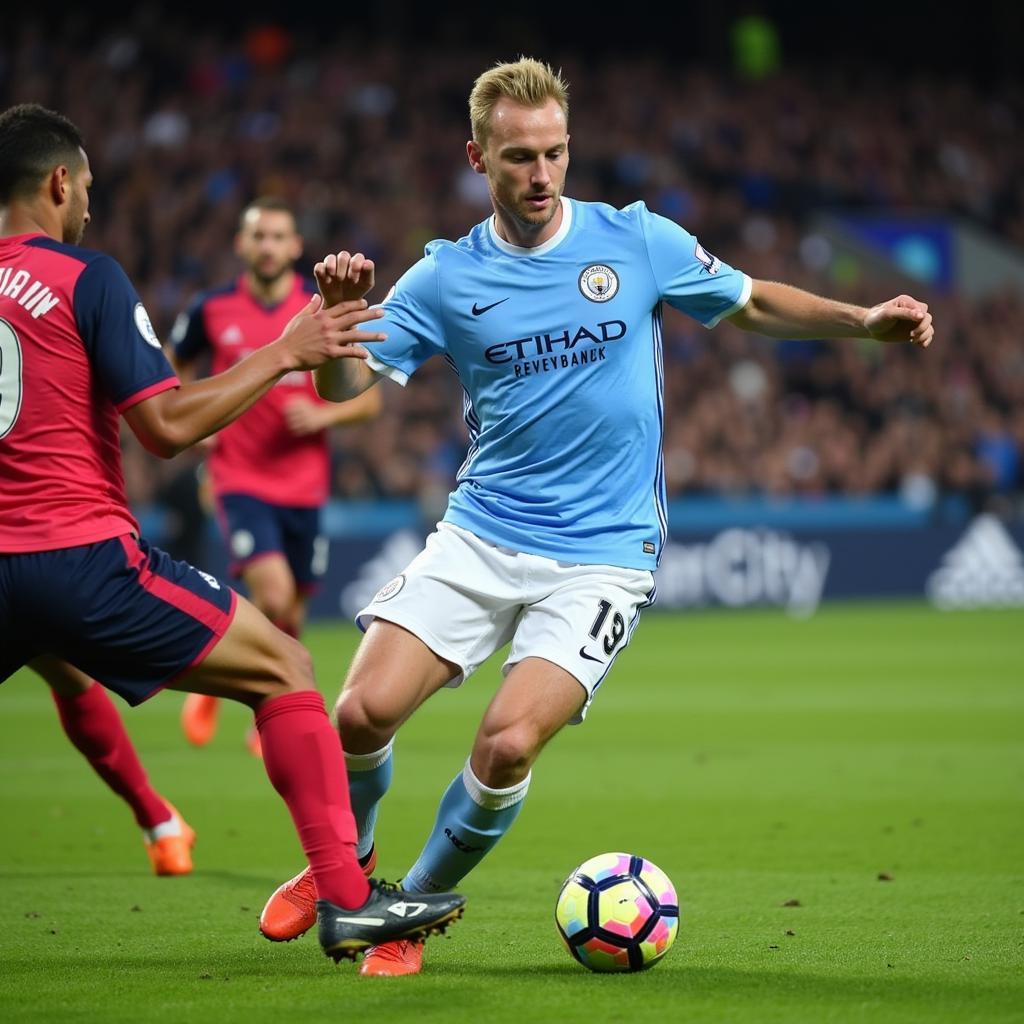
x=389 y=590
x=599 y=283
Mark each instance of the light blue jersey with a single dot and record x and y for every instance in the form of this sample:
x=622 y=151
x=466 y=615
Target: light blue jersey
x=558 y=349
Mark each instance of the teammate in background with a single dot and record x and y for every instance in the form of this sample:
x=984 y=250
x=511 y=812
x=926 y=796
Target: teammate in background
x=77 y=583
x=550 y=313
x=93 y=725
x=270 y=470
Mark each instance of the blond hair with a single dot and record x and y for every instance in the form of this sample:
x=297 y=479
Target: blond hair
x=525 y=81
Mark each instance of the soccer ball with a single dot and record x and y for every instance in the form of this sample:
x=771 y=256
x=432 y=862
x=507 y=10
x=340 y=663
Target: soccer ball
x=617 y=912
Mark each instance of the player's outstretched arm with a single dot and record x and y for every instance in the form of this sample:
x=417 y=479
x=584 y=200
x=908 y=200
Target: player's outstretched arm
x=171 y=421
x=782 y=311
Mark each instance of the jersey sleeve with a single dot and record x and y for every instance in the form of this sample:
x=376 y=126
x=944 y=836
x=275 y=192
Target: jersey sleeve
x=119 y=339
x=687 y=276
x=412 y=323
x=188 y=335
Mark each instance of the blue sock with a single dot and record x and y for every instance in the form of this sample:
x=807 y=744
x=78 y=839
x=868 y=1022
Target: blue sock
x=470 y=820
x=369 y=776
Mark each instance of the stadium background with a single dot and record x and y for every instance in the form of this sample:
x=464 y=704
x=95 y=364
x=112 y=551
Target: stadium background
x=851 y=154
x=838 y=799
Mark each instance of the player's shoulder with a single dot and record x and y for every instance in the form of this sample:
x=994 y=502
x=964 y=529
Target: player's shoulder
x=598 y=215
x=228 y=290
x=218 y=293
x=75 y=253
x=475 y=244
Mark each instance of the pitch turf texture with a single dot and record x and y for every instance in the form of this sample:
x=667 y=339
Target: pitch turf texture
x=839 y=801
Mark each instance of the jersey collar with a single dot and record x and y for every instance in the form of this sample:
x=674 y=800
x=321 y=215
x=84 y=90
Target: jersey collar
x=537 y=250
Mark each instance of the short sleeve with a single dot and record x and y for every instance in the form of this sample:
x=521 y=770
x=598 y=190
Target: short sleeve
x=688 y=277
x=119 y=339
x=188 y=335
x=412 y=323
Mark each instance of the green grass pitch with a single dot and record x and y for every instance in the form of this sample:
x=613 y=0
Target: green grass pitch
x=868 y=763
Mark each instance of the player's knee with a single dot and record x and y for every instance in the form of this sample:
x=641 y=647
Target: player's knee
x=361 y=717
x=504 y=757
x=278 y=604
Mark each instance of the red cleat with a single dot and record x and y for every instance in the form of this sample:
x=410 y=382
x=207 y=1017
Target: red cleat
x=291 y=909
x=199 y=718
x=171 y=854
x=393 y=959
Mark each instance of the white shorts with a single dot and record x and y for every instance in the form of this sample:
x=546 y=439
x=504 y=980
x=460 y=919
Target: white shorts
x=465 y=598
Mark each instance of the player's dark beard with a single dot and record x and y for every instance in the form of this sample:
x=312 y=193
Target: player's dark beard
x=74 y=226
x=268 y=280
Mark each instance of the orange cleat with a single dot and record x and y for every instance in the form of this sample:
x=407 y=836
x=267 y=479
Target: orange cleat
x=393 y=959
x=291 y=909
x=199 y=718
x=252 y=742
x=171 y=854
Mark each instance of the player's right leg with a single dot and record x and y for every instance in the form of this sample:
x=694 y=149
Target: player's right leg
x=260 y=666
x=93 y=725
x=392 y=674
x=427 y=628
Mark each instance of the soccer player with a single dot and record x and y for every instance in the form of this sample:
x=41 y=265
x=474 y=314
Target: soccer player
x=78 y=583
x=550 y=313
x=269 y=470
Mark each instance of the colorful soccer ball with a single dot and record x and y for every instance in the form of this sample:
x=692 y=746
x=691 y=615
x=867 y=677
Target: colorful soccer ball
x=617 y=912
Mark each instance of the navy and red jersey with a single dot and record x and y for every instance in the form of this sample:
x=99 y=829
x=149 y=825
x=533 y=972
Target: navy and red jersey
x=257 y=454
x=76 y=349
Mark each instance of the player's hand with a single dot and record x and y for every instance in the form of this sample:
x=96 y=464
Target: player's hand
x=303 y=417
x=342 y=277
x=902 y=319
x=319 y=334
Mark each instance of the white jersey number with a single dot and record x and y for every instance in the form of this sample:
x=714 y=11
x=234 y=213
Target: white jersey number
x=10 y=378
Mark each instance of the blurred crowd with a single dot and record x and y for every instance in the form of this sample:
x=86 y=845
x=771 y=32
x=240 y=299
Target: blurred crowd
x=367 y=142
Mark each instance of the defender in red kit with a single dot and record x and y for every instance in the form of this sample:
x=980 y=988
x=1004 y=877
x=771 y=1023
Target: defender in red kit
x=77 y=582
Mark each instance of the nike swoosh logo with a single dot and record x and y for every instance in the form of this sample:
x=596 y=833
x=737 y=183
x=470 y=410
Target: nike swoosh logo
x=376 y=922
x=480 y=310
x=590 y=657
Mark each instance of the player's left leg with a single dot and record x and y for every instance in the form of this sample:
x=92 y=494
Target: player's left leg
x=481 y=803
x=92 y=723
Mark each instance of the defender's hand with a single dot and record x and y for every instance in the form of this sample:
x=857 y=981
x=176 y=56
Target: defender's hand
x=317 y=334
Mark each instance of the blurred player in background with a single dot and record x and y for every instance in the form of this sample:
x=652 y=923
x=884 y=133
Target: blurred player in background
x=77 y=582
x=550 y=313
x=270 y=470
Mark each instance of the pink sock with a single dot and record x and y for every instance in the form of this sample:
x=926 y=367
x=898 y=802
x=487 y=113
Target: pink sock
x=93 y=725
x=305 y=763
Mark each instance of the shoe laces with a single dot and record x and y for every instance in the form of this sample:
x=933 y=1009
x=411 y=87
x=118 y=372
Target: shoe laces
x=303 y=892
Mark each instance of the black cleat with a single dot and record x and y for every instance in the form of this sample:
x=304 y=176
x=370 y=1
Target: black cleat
x=390 y=913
